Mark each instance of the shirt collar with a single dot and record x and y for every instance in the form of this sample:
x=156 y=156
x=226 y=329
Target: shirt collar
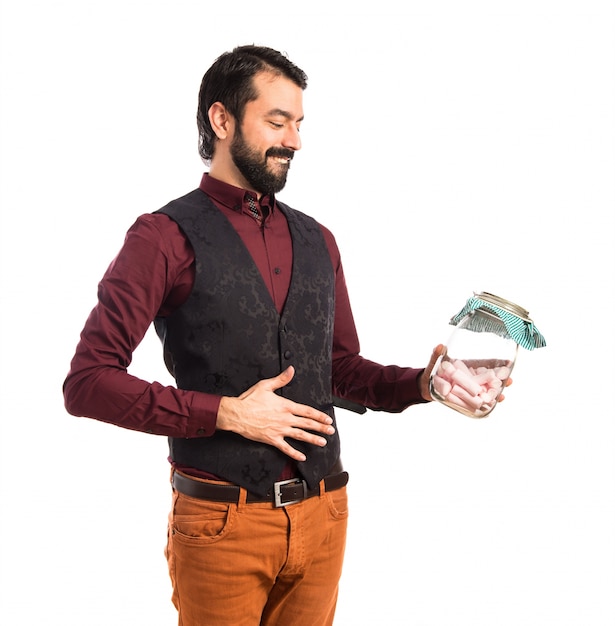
x=233 y=197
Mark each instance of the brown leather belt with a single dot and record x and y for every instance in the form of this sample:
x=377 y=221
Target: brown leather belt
x=282 y=493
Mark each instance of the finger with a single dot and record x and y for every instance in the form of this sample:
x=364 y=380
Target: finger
x=435 y=355
x=301 y=435
x=438 y=351
x=307 y=412
x=507 y=383
x=271 y=384
x=291 y=452
x=282 y=379
x=312 y=426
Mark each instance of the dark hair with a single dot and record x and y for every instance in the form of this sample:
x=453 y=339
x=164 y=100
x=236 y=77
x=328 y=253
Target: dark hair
x=229 y=81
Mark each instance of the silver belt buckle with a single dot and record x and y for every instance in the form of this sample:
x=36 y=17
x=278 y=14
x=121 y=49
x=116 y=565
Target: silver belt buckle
x=277 y=491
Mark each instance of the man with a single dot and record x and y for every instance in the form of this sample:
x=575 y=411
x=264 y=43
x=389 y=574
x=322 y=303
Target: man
x=249 y=299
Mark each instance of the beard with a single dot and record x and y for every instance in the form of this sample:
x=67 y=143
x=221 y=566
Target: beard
x=254 y=167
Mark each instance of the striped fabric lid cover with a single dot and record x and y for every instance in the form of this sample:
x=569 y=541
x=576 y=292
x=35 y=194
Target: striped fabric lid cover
x=518 y=324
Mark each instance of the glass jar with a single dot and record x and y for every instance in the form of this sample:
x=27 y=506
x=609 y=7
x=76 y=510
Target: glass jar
x=480 y=354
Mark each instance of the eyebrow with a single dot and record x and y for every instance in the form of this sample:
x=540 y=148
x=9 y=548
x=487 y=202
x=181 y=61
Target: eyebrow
x=282 y=113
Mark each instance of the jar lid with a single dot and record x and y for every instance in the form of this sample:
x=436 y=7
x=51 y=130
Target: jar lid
x=507 y=305
x=516 y=319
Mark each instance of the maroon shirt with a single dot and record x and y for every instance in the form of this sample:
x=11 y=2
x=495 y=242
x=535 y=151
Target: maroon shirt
x=152 y=275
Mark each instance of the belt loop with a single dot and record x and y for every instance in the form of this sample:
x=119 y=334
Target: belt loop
x=243 y=497
x=322 y=488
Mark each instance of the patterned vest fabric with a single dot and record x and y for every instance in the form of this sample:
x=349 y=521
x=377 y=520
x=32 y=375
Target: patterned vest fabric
x=228 y=336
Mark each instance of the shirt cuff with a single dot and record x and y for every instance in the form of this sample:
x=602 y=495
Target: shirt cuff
x=203 y=415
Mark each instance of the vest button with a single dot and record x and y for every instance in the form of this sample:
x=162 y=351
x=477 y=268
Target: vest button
x=287 y=354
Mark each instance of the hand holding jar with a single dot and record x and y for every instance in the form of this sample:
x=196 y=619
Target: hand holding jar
x=479 y=357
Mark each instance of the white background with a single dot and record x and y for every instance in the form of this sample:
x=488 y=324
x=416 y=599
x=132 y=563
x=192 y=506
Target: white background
x=477 y=141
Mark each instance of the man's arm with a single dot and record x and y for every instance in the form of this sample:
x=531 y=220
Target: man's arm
x=132 y=292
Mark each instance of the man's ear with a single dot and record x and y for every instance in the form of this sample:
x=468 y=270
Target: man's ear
x=220 y=120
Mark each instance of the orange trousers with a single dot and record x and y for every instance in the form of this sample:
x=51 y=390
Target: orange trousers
x=251 y=564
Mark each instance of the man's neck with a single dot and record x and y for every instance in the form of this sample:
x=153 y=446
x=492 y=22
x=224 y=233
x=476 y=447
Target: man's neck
x=229 y=174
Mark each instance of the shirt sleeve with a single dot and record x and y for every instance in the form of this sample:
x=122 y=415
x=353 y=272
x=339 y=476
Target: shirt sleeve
x=141 y=283
x=378 y=387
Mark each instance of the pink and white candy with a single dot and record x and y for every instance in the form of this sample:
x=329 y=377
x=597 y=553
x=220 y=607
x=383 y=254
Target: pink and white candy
x=474 y=389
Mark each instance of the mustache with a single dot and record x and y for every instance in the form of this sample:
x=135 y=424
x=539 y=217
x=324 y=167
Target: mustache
x=284 y=153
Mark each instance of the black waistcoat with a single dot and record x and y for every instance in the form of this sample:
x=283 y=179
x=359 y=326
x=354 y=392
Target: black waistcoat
x=228 y=336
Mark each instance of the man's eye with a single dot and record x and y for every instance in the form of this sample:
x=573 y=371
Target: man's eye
x=276 y=124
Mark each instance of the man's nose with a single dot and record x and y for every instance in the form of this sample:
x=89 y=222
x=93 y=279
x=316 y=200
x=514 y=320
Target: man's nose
x=292 y=138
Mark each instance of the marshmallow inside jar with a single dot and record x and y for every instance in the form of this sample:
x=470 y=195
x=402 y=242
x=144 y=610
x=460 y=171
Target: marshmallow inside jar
x=481 y=353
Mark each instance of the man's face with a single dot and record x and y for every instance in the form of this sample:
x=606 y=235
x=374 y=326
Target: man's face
x=265 y=142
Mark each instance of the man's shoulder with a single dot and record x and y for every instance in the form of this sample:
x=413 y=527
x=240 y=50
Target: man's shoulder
x=288 y=210
x=291 y=212
x=194 y=199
